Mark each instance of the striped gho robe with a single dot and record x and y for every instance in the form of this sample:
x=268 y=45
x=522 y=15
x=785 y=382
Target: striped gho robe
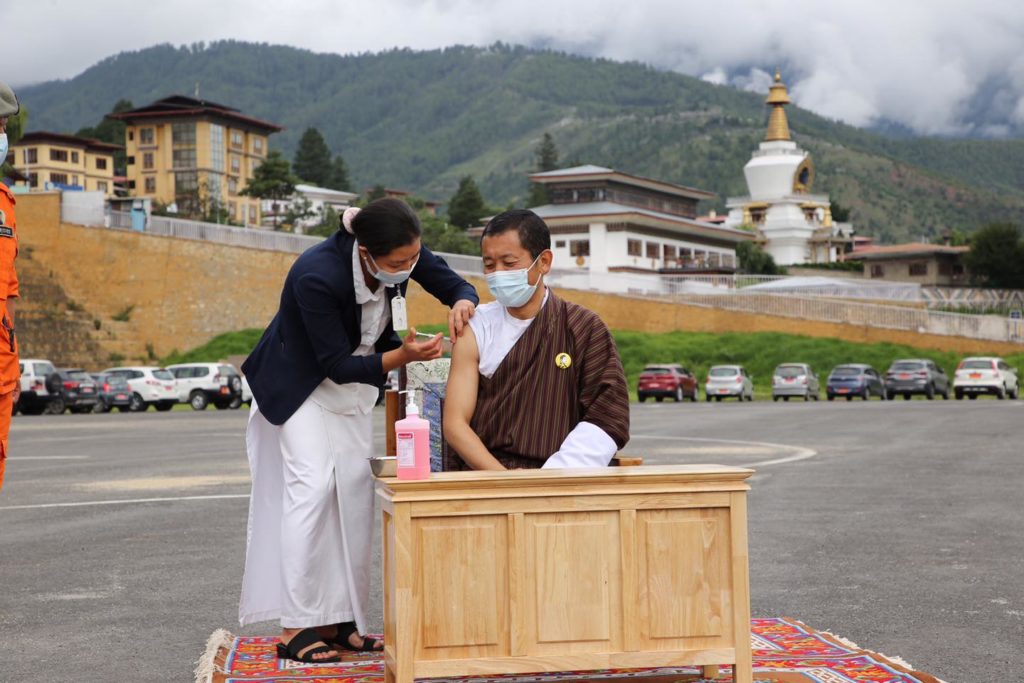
x=527 y=408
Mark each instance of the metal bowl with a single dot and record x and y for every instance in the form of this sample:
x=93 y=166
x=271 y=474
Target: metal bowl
x=384 y=466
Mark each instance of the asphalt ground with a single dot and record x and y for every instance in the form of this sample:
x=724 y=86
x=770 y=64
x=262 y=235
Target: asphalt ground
x=898 y=525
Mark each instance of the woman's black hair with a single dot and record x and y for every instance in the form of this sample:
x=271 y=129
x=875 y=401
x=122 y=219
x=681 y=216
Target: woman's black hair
x=384 y=225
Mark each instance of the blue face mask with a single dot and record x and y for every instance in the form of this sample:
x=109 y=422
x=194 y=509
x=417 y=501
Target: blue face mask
x=512 y=288
x=3 y=147
x=395 y=278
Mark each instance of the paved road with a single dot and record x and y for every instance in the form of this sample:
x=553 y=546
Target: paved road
x=897 y=525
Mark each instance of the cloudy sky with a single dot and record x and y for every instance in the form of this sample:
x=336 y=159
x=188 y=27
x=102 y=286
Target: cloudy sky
x=948 y=67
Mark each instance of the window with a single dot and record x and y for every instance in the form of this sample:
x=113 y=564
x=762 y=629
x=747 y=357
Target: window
x=183 y=158
x=130 y=161
x=217 y=147
x=31 y=155
x=150 y=185
x=131 y=134
x=232 y=210
x=958 y=269
x=59 y=178
x=33 y=180
x=58 y=154
x=74 y=157
x=236 y=139
x=877 y=271
x=147 y=160
x=183 y=134
x=232 y=185
x=670 y=252
x=653 y=250
x=146 y=136
x=101 y=186
x=101 y=164
x=633 y=247
x=945 y=268
x=74 y=180
x=918 y=269
x=257 y=145
x=252 y=214
x=236 y=164
x=579 y=248
x=559 y=244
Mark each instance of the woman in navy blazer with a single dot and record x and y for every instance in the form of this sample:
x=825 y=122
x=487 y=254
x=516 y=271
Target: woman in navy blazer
x=315 y=376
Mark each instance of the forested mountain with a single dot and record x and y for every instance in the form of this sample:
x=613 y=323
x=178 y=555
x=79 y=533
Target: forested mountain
x=423 y=120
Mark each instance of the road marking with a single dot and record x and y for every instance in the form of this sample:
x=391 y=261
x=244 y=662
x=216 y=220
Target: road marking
x=49 y=457
x=800 y=453
x=164 y=483
x=134 y=501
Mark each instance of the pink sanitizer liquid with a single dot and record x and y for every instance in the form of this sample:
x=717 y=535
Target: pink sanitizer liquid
x=412 y=435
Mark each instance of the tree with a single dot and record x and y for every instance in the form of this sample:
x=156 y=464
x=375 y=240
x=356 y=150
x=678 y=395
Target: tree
x=466 y=206
x=338 y=177
x=996 y=257
x=330 y=220
x=313 y=158
x=439 y=235
x=547 y=160
x=840 y=214
x=754 y=260
x=378 y=192
x=272 y=179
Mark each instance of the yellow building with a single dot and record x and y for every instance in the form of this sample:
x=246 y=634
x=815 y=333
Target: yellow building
x=195 y=154
x=54 y=160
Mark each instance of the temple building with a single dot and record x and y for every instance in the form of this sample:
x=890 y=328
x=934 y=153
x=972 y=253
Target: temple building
x=790 y=223
x=604 y=221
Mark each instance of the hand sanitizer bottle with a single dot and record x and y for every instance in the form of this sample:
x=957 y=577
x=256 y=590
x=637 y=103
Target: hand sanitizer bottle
x=412 y=435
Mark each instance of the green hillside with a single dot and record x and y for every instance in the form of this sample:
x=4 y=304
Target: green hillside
x=421 y=120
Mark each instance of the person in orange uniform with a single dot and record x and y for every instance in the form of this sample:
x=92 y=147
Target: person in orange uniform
x=10 y=373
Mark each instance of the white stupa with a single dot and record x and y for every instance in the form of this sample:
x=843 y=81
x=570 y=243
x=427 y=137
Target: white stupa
x=792 y=225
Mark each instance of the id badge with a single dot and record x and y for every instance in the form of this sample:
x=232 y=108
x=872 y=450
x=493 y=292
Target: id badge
x=399 y=314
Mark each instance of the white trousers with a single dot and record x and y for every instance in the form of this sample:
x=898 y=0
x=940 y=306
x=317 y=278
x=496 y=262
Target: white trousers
x=307 y=560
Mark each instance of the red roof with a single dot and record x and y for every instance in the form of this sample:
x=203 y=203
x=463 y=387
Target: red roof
x=41 y=137
x=180 y=106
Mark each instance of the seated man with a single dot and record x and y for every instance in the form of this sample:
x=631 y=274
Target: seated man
x=535 y=381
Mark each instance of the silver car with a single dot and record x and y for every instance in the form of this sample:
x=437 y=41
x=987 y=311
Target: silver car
x=797 y=380
x=729 y=380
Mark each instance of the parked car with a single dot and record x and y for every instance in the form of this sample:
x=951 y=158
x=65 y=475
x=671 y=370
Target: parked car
x=151 y=386
x=854 y=379
x=666 y=380
x=985 y=375
x=246 y=396
x=200 y=384
x=113 y=391
x=795 y=379
x=35 y=395
x=77 y=393
x=724 y=381
x=916 y=376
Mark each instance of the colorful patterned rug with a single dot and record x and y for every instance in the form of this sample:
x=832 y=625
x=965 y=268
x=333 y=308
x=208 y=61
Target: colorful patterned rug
x=785 y=651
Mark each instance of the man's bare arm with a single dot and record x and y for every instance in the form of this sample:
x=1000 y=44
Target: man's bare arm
x=460 y=403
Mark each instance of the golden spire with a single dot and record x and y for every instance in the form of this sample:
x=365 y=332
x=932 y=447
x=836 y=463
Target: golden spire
x=778 y=97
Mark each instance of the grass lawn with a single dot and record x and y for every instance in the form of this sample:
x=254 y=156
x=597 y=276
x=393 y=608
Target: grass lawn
x=759 y=352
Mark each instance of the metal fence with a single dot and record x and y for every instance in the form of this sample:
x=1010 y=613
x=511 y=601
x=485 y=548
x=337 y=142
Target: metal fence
x=988 y=327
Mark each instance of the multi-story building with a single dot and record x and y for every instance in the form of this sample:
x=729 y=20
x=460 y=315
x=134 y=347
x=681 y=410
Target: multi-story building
x=606 y=221
x=67 y=162
x=196 y=155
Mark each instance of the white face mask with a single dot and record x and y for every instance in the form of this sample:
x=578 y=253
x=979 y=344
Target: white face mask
x=512 y=288
x=392 y=278
x=3 y=147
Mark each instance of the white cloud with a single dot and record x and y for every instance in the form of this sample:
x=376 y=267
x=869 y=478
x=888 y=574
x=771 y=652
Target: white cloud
x=919 y=62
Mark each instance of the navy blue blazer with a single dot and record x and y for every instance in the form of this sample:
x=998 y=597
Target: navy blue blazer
x=317 y=327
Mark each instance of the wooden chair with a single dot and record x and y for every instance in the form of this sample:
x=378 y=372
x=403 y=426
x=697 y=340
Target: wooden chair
x=394 y=408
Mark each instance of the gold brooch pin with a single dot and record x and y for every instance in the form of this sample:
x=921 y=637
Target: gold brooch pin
x=563 y=361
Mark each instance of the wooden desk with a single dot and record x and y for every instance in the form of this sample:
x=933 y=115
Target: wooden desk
x=565 y=570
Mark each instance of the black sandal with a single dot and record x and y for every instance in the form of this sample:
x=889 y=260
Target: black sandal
x=302 y=641
x=345 y=631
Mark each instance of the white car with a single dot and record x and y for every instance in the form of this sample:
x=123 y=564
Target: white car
x=200 y=384
x=246 y=392
x=35 y=395
x=724 y=381
x=151 y=386
x=985 y=375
